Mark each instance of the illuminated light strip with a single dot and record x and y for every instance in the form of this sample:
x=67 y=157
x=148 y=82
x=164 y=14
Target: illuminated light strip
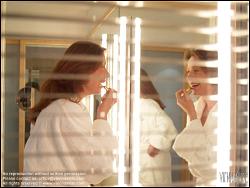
x=139 y=4
x=211 y=97
x=123 y=3
x=248 y=101
x=238 y=147
x=104 y=40
x=200 y=46
x=243 y=98
x=121 y=101
x=114 y=86
x=213 y=80
x=213 y=47
x=115 y=80
x=239 y=33
x=243 y=81
x=240 y=49
x=109 y=59
x=224 y=89
x=243 y=65
x=241 y=130
x=202 y=14
x=136 y=106
x=241 y=16
x=209 y=64
x=104 y=45
x=200 y=30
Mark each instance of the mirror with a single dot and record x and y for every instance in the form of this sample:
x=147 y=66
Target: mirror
x=161 y=56
x=167 y=30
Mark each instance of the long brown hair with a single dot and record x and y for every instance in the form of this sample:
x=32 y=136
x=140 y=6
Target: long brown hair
x=70 y=74
x=148 y=90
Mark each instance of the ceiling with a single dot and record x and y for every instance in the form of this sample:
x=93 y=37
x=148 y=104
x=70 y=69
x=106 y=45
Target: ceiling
x=163 y=23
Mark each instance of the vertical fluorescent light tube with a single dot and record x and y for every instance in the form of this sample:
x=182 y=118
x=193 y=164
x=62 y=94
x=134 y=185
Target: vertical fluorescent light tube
x=224 y=90
x=104 y=45
x=248 y=100
x=136 y=105
x=115 y=85
x=104 y=40
x=121 y=101
x=115 y=79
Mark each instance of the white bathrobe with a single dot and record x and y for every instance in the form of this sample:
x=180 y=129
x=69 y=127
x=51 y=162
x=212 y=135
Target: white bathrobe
x=195 y=145
x=64 y=140
x=157 y=129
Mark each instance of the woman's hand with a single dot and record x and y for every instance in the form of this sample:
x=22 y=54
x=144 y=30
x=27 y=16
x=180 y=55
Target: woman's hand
x=108 y=100
x=185 y=102
x=152 y=151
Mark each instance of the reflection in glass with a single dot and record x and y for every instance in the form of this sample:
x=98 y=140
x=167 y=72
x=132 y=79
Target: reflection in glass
x=157 y=134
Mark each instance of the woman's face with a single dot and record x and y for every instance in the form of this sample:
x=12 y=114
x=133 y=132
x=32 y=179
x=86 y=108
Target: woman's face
x=96 y=79
x=196 y=78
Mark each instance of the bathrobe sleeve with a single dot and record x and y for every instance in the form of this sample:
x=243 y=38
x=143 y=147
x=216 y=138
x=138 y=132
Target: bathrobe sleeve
x=193 y=146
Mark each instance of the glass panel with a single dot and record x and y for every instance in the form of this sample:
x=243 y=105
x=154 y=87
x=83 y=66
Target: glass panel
x=163 y=139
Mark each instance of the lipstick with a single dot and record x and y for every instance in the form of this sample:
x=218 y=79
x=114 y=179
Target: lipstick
x=188 y=91
x=106 y=88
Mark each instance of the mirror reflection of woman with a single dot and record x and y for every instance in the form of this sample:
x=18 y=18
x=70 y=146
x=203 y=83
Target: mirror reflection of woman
x=195 y=142
x=63 y=138
x=157 y=134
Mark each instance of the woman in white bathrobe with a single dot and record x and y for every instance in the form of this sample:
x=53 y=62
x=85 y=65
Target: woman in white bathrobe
x=157 y=134
x=65 y=148
x=195 y=142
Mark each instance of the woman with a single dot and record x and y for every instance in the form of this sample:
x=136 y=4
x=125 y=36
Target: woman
x=195 y=142
x=157 y=134
x=65 y=147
